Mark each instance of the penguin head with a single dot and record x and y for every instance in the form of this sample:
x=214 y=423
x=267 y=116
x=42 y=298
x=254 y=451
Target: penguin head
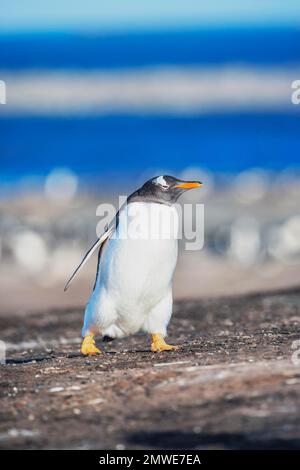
x=163 y=189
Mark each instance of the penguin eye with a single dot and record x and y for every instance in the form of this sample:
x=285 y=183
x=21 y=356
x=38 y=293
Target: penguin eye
x=160 y=181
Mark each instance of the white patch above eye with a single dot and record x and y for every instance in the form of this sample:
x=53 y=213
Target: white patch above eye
x=162 y=182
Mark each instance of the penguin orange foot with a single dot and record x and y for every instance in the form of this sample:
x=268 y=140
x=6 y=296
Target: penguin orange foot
x=88 y=347
x=158 y=344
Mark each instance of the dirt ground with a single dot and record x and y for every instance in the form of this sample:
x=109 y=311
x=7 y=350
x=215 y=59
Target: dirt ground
x=233 y=383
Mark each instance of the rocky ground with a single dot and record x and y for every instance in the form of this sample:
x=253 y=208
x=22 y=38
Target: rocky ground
x=234 y=383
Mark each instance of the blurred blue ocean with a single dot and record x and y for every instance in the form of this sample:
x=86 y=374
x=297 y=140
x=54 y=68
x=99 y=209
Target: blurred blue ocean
x=126 y=144
x=258 y=46
x=120 y=143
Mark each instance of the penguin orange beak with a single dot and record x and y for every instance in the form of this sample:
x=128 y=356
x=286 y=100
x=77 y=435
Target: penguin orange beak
x=189 y=185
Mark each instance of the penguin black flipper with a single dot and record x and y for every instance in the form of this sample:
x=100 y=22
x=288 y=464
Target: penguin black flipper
x=87 y=256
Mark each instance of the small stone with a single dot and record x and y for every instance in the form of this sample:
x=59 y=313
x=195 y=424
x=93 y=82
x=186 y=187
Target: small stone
x=292 y=381
x=197 y=429
x=97 y=401
x=120 y=446
x=56 y=389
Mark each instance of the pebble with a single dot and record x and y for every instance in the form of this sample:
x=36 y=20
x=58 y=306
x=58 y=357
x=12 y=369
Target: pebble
x=97 y=401
x=120 y=447
x=292 y=381
x=163 y=364
x=56 y=389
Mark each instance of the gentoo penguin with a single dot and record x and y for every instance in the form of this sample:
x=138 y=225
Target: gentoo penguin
x=136 y=263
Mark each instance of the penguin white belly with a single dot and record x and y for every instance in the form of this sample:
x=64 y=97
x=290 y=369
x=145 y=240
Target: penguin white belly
x=134 y=284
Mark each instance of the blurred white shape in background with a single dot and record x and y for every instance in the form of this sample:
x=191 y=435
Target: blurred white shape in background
x=61 y=185
x=2 y=92
x=198 y=174
x=64 y=259
x=245 y=241
x=284 y=241
x=251 y=186
x=30 y=251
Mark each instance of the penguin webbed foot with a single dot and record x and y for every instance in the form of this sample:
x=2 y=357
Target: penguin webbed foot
x=158 y=344
x=88 y=347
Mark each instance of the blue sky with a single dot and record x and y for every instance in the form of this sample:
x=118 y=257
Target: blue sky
x=110 y=15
